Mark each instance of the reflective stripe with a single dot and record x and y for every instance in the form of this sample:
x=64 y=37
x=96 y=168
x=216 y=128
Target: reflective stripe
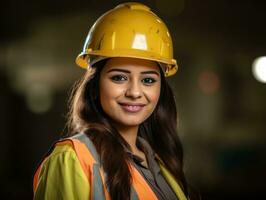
x=133 y=194
x=85 y=158
x=89 y=160
x=141 y=188
x=84 y=139
x=101 y=175
x=106 y=188
x=97 y=187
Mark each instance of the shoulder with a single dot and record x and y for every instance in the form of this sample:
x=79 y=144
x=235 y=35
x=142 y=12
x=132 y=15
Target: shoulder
x=61 y=175
x=61 y=154
x=62 y=148
x=62 y=158
x=67 y=152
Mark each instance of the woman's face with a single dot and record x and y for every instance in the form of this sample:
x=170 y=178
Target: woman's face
x=129 y=90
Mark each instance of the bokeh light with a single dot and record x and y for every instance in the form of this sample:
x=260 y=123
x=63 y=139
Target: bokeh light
x=39 y=98
x=259 y=69
x=208 y=82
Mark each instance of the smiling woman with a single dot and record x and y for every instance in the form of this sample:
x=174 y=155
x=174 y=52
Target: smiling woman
x=129 y=90
x=123 y=142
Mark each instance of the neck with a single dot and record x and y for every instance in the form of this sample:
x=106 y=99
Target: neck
x=130 y=135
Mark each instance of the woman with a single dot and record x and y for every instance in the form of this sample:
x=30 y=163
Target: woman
x=123 y=141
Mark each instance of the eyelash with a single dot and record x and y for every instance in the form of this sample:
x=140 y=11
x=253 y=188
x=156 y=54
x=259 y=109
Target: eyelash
x=150 y=79
x=118 y=78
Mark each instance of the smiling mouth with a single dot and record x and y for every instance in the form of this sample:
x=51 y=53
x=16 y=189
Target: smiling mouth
x=133 y=108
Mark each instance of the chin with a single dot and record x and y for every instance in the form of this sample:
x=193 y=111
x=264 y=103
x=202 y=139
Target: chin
x=130 y=122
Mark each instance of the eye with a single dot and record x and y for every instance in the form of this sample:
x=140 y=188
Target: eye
x=118 y=78
x=148 y=81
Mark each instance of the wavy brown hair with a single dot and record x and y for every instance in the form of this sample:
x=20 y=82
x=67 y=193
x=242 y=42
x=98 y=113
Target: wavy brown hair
x=160 y=130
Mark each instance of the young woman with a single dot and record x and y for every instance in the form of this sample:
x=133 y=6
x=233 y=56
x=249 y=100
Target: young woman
x=123 y=141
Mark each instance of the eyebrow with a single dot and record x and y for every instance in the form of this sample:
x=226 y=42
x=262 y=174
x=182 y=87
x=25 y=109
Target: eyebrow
x=128 y=72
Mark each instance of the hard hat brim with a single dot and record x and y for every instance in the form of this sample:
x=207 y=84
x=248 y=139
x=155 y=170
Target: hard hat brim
x=168 y=66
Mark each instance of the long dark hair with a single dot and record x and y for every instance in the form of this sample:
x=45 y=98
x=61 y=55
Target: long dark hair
x=160 y=130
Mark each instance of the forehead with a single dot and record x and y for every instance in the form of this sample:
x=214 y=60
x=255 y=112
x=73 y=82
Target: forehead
x=131 y=64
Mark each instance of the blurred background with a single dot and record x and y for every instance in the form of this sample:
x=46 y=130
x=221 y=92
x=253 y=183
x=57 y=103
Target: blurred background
x=220 y=87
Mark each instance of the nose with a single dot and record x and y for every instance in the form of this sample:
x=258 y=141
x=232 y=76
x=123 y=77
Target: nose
x=134 y=90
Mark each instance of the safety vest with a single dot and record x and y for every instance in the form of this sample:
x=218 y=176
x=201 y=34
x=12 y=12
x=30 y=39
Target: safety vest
x=90 y=163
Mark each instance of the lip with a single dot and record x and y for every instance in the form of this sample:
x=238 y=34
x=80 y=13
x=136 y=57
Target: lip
x=131 y=107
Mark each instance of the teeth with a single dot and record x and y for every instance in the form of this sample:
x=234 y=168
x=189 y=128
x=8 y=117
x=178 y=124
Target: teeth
x=133 y=107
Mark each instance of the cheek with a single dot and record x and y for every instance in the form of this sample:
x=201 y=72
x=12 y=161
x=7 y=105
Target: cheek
x=105 y=95
x=154 y=94
x=108 y=93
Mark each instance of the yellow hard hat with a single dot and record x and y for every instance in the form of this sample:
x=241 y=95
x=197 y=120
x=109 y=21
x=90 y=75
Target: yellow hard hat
x=129 y=30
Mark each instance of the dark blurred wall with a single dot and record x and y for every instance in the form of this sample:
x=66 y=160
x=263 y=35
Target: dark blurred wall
x=221 y=105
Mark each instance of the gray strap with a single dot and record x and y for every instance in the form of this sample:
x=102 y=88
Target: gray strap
x=98 y=184
x=98 y=192
x=133 y=194
x=86 y=140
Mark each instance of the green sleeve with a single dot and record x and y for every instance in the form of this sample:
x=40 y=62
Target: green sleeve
x=62 y=177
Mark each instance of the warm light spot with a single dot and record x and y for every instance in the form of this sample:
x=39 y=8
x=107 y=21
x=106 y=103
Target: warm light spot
x=208 y=82
x=259 y=69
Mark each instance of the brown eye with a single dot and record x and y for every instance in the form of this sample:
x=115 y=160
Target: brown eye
x=148 y=81
x=119 y=78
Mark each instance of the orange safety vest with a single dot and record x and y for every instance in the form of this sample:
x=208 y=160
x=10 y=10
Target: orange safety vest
x=89 y=160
